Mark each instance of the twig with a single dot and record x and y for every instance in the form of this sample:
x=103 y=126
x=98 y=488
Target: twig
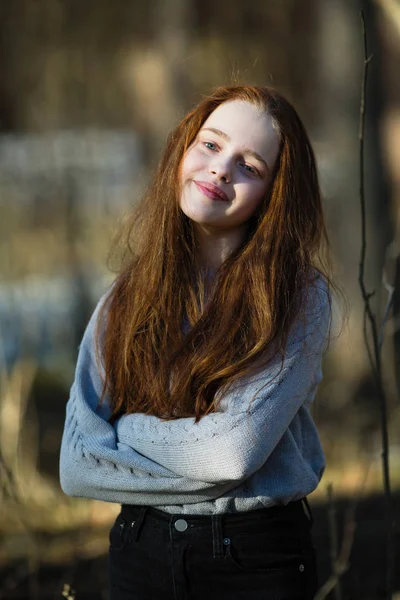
x=333 y=536
x=374 y=331
x=10 y=485
x=342 y=563
x=366 y=341
x=388 y=307
x=8 y=478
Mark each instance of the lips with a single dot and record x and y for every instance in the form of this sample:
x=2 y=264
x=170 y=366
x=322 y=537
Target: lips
x=211 y=191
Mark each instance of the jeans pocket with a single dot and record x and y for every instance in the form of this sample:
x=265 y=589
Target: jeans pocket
x=258 y=562
x=267 y=552
x=119 y=534
x=285 y=563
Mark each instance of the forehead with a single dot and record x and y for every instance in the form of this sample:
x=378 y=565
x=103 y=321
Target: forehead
x=248 y=126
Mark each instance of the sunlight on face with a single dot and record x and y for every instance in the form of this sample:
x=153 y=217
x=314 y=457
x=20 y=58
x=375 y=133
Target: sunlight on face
x=227 y=170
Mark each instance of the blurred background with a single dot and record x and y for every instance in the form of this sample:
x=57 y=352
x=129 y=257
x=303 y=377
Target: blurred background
x=88 y=92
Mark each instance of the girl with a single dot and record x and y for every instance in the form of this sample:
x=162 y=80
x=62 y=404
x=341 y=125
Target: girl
x=195 y=376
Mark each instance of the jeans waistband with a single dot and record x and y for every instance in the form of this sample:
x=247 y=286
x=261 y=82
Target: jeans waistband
x=293 y=509
x=293 y=515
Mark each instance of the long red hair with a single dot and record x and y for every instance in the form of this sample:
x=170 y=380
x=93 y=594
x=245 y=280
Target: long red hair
x=151 y=364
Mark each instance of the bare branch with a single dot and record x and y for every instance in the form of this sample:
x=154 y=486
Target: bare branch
x=334 y=543
x=366 y=341
x=342 y=563
x=376 y=338
x=390 y=289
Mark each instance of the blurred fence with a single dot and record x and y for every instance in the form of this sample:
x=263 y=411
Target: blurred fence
x=70 y=180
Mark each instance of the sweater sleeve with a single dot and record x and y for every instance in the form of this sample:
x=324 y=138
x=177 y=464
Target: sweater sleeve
x=94 y=464
x=233 y=443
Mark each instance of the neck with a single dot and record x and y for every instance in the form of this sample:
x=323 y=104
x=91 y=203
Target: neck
x=216 y=246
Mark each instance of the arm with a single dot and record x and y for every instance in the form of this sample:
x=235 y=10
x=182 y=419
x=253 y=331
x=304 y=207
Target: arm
x=94 y=464
x=233 y=443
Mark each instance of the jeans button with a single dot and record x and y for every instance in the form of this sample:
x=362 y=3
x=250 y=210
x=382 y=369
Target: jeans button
x=181 y=525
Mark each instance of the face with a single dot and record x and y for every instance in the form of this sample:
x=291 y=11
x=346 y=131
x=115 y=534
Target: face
x=227 y=170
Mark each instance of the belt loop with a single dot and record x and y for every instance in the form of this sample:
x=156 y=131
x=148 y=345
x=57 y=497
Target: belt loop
x=139 y=522
x=217 y=536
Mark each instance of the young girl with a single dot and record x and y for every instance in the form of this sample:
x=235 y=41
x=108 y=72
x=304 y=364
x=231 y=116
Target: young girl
x=191 y=401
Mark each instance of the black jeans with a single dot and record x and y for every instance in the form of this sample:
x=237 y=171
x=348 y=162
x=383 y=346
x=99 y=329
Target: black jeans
x=263 y=554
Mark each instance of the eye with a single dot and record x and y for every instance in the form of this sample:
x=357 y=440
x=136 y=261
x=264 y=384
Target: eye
x=250 y=169
x=210 y=145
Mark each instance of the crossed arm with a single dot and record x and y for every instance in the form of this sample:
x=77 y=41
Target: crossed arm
x=94 y=463
x=233 y=443
x=144 y=460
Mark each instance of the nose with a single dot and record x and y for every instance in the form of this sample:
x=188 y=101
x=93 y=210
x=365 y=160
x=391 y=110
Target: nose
x=221 y=169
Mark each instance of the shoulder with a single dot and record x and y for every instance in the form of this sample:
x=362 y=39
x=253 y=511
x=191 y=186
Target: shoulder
x=316 y=298
x=102 y=307
x=312 y=323
x=97 y=323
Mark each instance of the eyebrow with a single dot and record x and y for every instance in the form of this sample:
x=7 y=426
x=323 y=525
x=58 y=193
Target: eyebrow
x=226 y=137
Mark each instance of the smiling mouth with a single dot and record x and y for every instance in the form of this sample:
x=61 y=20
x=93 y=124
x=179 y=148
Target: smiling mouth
x=211 y=191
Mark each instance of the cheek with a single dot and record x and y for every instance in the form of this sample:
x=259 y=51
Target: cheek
x=253 y=195
x=192 y=162
x=250 y=200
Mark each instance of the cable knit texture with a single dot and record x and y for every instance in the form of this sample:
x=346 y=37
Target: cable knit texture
x=259 y=449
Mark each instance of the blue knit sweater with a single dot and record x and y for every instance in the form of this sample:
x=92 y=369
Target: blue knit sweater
x=260 y=448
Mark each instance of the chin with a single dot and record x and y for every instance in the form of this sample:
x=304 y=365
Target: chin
x=197 y=213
